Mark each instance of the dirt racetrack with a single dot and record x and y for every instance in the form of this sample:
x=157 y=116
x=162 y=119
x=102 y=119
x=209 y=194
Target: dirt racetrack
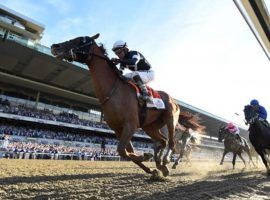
x=49 y=179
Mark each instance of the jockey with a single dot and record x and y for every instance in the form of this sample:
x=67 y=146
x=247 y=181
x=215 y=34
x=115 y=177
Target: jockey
x=141 y=71
x=260 y=109
x=233 y=130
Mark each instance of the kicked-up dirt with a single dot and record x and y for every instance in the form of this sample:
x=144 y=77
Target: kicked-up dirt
x=50 y=179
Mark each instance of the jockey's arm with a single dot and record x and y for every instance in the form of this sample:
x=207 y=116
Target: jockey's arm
x=236 y=130
x=263 y=112
x=133 y=61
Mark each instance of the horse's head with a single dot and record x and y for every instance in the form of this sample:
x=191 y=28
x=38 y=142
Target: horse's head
x=221 y=133
x=77 y=49
x=250 y=114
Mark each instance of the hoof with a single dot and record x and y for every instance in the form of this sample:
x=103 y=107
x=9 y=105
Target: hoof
x=174 y=166
x=147 y=156
x=166 y=161
x=165 y=171
x=155 y=173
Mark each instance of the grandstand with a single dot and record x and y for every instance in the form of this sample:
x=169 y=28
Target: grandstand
x=48 y=106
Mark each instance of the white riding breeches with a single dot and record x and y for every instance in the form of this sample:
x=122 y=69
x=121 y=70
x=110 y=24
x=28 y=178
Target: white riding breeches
x=146 y=76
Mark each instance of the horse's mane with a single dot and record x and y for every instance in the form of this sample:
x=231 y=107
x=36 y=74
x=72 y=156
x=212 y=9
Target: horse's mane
x=103 y=49
x=110 y=63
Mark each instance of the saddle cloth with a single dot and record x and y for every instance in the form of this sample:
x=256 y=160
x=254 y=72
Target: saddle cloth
x=156 y=98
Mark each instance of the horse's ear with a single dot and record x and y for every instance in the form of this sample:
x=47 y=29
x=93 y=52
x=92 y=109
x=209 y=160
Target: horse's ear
x=95 y=36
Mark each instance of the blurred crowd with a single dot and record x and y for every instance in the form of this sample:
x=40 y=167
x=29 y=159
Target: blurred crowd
x=46 y=114
x=49 y=142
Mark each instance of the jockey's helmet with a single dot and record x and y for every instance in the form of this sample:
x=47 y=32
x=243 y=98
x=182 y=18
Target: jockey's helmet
x=230 y=125
x=254 y=102
x=119 y=44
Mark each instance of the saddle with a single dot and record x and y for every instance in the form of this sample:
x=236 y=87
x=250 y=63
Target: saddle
x=158 y=103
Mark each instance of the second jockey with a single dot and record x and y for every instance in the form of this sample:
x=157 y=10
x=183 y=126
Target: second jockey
x=233 y=129
x=141 y=71
x=261 y=111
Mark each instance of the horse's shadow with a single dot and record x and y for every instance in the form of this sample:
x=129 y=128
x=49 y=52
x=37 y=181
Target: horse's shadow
x=222 y=187
x=38 y=179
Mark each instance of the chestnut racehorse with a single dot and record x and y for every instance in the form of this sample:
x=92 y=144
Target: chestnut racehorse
x=120 y=105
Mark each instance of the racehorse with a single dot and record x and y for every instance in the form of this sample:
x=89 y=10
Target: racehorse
x=232 y=144
x=183 y=147
x=259 y=135
x=119 y=103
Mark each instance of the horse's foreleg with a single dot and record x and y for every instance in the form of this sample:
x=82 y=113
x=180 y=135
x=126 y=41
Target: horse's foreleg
x=263 y=156
x=240 y=156
x=223 y=156
x=233 y=160
x=125 y=142
x=181 y=154
x=250 y=157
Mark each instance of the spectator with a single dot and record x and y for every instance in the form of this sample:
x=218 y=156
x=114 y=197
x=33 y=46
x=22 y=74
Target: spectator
x=103 y=145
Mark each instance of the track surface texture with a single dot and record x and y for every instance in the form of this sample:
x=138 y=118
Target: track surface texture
x=49 y=179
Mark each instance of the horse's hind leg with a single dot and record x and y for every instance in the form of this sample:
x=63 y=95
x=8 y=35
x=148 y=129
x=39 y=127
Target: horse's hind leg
x=176 y=162
x=160 y=143
x=171 y=124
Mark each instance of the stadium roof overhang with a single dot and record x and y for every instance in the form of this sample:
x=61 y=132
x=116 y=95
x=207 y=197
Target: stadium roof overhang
x=26 y=67
x=256 y=14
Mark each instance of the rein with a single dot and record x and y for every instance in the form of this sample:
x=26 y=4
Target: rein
x=115 y=85
x=110 y=93
x=89 y=56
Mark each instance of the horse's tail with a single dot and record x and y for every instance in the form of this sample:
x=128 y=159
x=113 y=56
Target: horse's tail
x=190 y=121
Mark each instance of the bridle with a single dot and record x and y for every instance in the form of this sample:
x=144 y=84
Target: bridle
x=252 y=119
x=88 y=53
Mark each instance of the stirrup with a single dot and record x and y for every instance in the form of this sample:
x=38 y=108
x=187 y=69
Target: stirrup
x=149 y=100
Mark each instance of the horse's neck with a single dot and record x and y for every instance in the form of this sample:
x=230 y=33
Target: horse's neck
x=258 y=128
x=255 y=128
x=103 y=76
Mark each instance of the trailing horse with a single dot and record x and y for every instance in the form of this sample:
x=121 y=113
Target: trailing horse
x=120 y=105
x=234 y=145
x=183 y=147
x=259 y=134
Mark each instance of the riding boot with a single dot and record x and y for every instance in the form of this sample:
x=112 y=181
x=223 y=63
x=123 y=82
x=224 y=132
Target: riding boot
x=143 y=88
